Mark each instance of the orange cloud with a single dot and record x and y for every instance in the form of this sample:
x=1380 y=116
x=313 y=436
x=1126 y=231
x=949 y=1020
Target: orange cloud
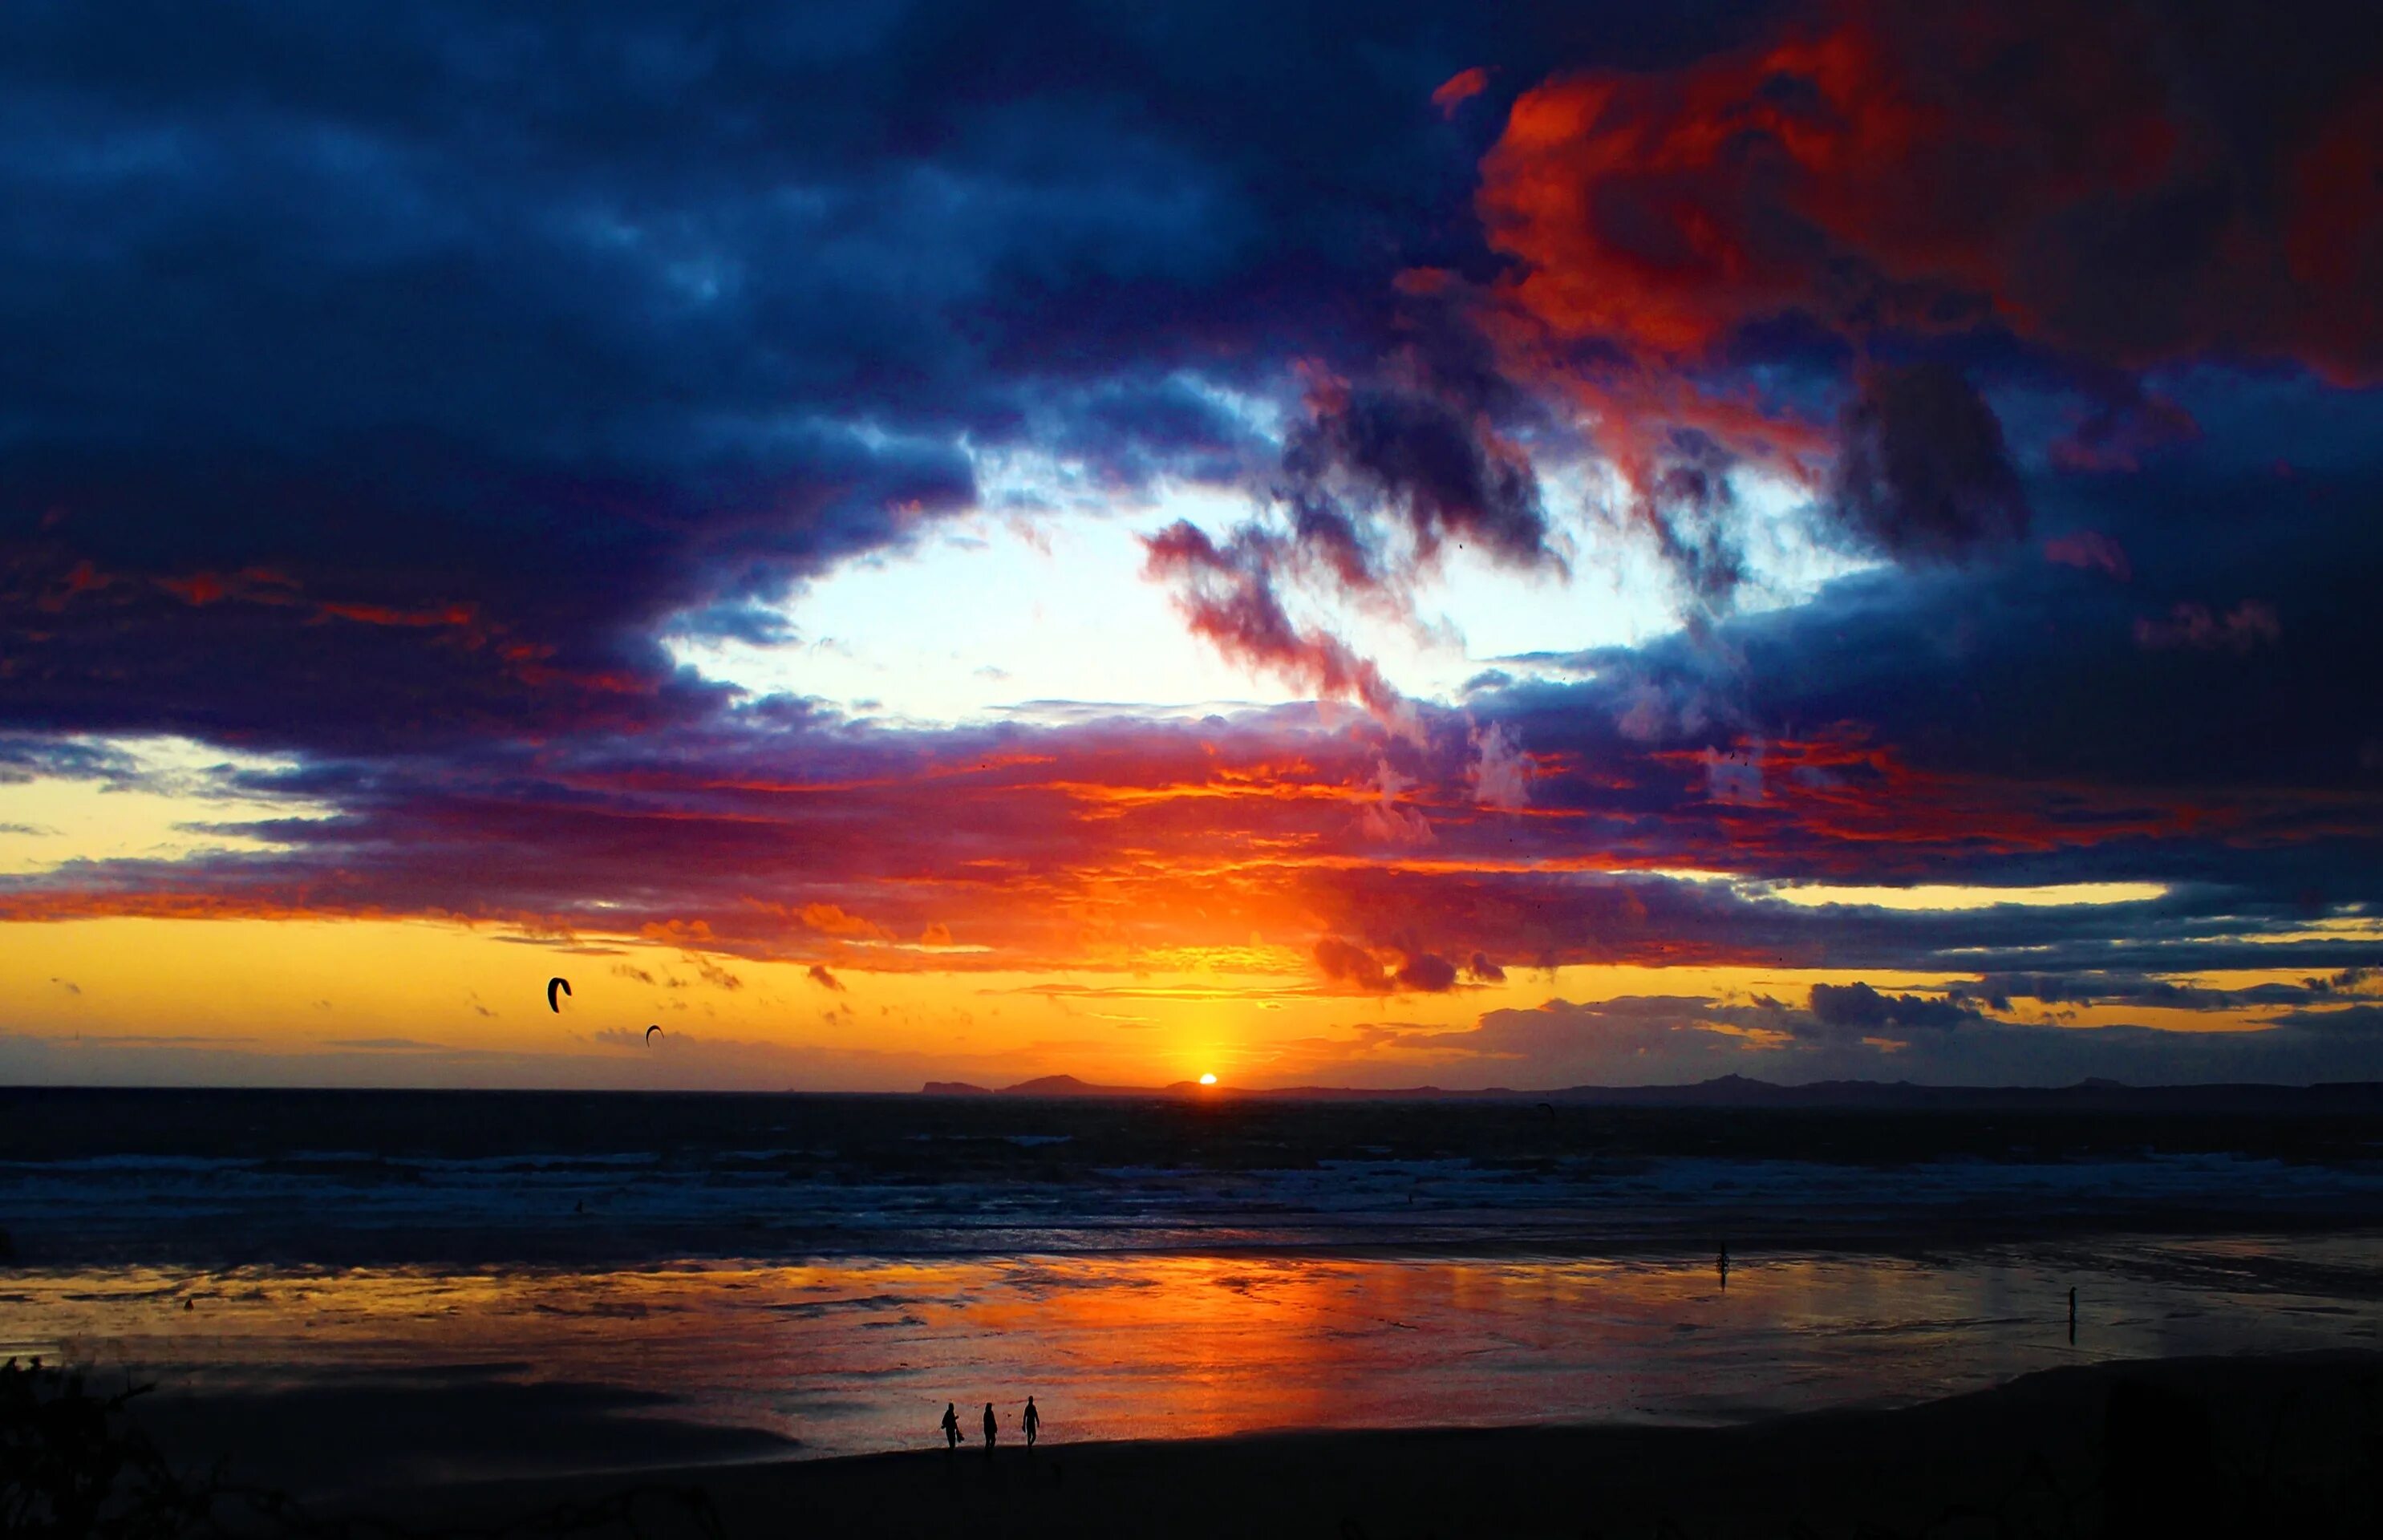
x=831 y=920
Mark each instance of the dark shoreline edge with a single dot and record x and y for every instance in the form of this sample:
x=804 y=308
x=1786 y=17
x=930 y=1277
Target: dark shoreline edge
x=2294 y=1446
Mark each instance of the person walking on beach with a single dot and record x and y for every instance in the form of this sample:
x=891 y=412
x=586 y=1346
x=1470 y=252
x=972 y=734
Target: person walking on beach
x=1033 y=1422
x=990 y=1427
x=951 y=1427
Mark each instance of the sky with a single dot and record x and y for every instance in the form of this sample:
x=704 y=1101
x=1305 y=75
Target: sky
x=1352 y=545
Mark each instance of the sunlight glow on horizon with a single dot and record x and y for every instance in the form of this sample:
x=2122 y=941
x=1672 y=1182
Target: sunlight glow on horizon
x=316 y=1002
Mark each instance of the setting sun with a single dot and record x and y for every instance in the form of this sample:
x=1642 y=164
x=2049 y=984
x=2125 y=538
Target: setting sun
x=1207 y=1079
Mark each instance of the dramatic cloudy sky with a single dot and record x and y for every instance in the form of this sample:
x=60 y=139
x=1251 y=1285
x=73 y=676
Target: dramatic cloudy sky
x=1370 y=544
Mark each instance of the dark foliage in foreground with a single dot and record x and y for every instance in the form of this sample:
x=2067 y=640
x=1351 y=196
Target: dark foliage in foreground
x=75 y=1466
x=72 y=1465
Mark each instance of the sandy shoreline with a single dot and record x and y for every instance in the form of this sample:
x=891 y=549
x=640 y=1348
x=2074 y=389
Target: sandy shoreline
x=2293 y=1445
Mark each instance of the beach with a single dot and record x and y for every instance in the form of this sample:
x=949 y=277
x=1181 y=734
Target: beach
x=1428 y=1319
x=673 y=1362
x=2291 y=1451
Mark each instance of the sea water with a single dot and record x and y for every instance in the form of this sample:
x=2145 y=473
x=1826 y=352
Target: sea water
x=834 y=1271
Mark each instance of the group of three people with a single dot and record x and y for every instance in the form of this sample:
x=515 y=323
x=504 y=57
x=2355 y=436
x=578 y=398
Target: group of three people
x=1031 y=1421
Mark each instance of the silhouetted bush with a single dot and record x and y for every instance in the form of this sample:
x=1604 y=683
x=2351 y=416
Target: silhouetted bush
x=73 y=1466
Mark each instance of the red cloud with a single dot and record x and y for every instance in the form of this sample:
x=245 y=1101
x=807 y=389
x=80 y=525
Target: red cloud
x=1206 y=834
x=1887 y=173
x=2248 y=625
x=1459 y=89
x=2334 y=241
x=1933 y=167
x=385 y=614
x=2092 y=551
x=1227 y=595
x=2117 y=437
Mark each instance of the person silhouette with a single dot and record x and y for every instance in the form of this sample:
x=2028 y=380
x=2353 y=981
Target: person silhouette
x=1034 y=1421
x=990 y=1427
x=951 y=1427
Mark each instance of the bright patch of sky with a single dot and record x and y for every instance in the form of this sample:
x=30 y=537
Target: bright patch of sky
x=1039 y=599
x=151 y=799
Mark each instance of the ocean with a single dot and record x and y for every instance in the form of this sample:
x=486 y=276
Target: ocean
x=695 y=1276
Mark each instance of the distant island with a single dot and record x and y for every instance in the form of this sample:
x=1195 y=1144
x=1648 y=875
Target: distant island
x=1067 y=1085
x=1737 y=1090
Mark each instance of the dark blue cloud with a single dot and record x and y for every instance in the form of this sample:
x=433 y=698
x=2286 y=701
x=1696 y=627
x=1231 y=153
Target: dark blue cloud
x=1922 y=470
x=2035 y=687
x=1859 y=1008
x=1672 y=1040
x=580 y=323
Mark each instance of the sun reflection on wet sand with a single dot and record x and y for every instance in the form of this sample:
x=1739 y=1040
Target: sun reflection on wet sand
x=861 y=1354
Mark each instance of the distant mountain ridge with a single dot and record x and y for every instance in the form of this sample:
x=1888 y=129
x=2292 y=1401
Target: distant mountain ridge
x=1737 y=1090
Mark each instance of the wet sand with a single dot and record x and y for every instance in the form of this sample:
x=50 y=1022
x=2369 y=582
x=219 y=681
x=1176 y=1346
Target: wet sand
x=313 y=1380
x=2294 y=1447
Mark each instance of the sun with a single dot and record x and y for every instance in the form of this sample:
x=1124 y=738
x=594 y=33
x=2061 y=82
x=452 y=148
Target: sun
x=1208 y=1080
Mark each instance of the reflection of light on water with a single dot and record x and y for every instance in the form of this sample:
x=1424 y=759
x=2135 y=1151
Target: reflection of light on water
x=862 y=1354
